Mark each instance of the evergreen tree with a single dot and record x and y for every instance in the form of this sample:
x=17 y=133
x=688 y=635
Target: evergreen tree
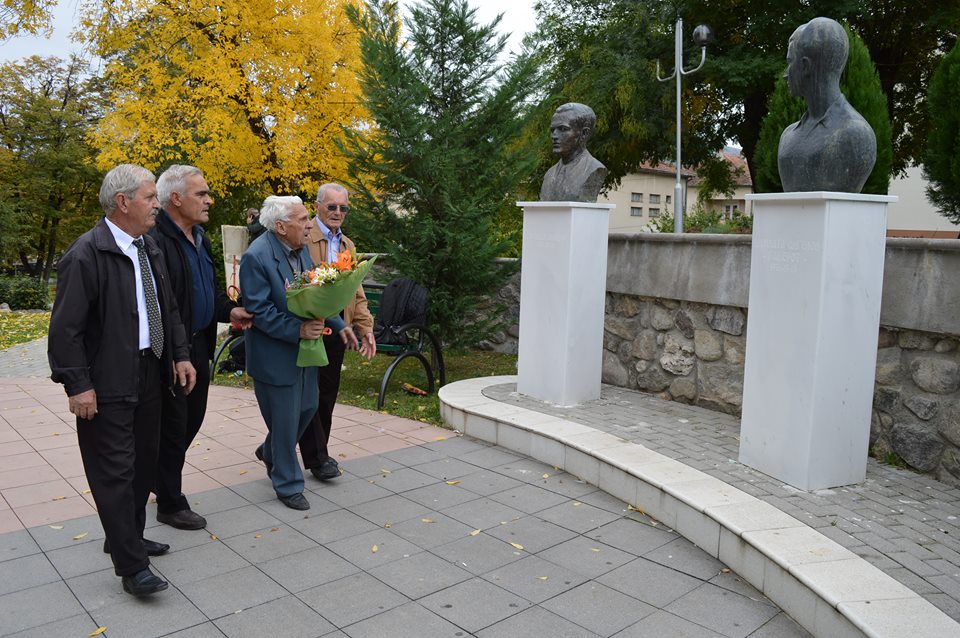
x=861 y=86
x=442 y=159
x=940 y=164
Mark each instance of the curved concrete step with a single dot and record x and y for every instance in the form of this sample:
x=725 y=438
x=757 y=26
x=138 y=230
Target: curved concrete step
x=825 y=587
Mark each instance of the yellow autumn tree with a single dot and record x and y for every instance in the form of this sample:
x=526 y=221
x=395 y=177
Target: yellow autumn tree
x=253 y=92
x=24 y=16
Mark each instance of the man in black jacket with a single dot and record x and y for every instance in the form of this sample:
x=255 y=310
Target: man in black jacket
x=116 y=344
x=186 y=201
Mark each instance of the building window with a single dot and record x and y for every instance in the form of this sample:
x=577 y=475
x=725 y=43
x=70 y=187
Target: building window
x=654 y=212
x=636 y=197
x=654 y=199
x=636 y=211
x=668 y=199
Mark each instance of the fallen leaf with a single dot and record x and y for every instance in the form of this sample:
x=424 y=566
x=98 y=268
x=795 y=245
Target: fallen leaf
x=453 y=482
x=85 y=492
x=342 y=455
x=274 y=529
x=388 y=525
x=427 y=520
x=542 y=577
x=594 y=549
x=206 y=458
x=59 y=498
x=577 y=503
x=243 y=472
x=439 y=438
x=383 y=471
x=546 y=476
x=258 y=535
x=631 y=508
x=97 y=631
x=375 y=549
x=475 y=532
x=517 y=545
x=55 y=526
x=725 y=570
x=213 y=537
x=81 y=536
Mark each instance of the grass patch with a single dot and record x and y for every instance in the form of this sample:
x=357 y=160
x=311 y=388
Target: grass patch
x=22 y=326
x=360 y=381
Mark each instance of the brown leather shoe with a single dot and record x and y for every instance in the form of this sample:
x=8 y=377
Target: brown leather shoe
x=184 y=519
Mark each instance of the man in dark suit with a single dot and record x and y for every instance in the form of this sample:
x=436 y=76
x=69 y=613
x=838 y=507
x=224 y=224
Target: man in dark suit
x=286 y=393
x=115 y=343
x=185 y=197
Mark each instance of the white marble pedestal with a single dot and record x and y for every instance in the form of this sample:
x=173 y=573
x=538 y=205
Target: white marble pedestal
x=816 y=275
x=563 y=285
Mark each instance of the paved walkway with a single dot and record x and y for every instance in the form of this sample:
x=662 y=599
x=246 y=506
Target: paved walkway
x=426 y=534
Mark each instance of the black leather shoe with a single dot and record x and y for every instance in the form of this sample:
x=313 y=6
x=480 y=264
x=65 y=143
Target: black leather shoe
x=259 y=453
x=329 y=470
x=143 y=583
x=153 y=547
x=295 y=501
x=184 y=519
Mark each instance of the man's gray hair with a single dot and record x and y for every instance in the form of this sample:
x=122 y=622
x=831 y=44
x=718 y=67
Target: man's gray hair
x=277 y=208
x=322 y=191
x=126 y=179
x=174 y=180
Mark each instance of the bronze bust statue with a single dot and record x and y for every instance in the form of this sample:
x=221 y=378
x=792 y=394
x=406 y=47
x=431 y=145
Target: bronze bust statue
x=831 y=148
x=578 y=176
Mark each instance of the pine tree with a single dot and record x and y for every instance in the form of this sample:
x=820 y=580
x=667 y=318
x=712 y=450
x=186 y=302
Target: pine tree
x=442 y=159
x=861 y=86
x=940 y=164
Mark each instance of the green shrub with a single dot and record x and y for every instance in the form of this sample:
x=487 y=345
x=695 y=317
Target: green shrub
x=21 y=292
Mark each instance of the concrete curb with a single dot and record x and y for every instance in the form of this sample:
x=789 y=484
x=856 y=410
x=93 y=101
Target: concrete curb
x=825 y=587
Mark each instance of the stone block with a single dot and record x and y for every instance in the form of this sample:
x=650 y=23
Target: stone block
x=889 y=366
x=684 y=388
x=627 y=305
x=917 y=444
x=614 y=372
x=621 y=327
x=661 y=318
x=678 y=357
x=937 y=375
x=950 y=422
x=721 y=383
x=684 y=323
x=886 y=398
x=707 y=345
x=644 y=346
x=727 y=319
x=887 y=338
x=945 y=345
x=925 y=408
x=912 y=340
x=734 y=349
x=652 y=378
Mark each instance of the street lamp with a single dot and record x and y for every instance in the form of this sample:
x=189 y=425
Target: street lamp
x=702 y=36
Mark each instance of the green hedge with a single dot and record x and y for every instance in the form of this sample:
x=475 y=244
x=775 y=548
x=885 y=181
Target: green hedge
x=23 y=293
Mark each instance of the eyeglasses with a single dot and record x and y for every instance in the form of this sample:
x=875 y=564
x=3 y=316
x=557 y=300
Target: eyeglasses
x=343 y=208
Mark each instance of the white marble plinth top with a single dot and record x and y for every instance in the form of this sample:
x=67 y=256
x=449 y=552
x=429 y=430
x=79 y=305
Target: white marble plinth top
x=539 y=204
x=819 y=196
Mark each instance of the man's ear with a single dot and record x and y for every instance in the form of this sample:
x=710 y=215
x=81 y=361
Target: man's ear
x=176 y=199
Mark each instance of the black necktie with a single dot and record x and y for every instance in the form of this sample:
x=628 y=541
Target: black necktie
x=150 y=294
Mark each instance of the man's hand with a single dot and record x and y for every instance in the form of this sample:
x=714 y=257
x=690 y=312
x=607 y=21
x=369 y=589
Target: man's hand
x=368 y=346
x=311 y=329
x=186 y=375
x=84 y=405
x=349 y=338
x=240 y=318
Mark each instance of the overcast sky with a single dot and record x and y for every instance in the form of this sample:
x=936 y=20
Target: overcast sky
x=518 y=18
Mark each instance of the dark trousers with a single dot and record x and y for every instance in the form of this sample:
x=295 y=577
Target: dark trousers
x=287 y=410
x=119 y=451
x=313 y=443
x=181 y=418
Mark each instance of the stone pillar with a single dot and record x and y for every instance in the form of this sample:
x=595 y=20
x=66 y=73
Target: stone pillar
x=816 y=276
x=563 y=283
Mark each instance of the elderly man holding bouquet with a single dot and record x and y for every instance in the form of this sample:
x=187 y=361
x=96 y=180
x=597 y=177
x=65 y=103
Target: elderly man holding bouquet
x=286 y=391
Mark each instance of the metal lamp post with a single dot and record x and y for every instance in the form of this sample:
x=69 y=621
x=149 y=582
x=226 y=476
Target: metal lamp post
x=702 y=36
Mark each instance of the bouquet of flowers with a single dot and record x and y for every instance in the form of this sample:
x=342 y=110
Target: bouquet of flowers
x=323 y=292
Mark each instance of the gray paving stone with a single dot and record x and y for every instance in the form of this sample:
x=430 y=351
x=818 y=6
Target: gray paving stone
x=722 y=610
x=391 y=509
x=568 y=485
x=157 y=615
x=350 y=492
x=29 y=608
x=287 y=616
x=474 y=604
x=478 y=554
x=352 y=599
x=529 y=498
x=404 y=479
x=527 y=470
x=440 y=496
x=431 y=529
x=99 y=589
x=684 y=556
x=255 y=491
x=27 y=572
x=318 y=506
x=489 y=457
x=17 y=544
x=536 y=621
x=534 y=533
x=586 y=556
x=269 y=543
x=209 y=502
x=232 y=592
x=406 y=621
x=332 y=526
x=650 y=582
x=370 y=466
x=448 y=468
x=662 y=623
x=307 y=569
x=634 y=536
x=534 y=578
x=239 y=521
x=577 y=516
x=79 y=625
x=780 y=626
x=373 y=548
x=486 y=482
x=457 y=446
x=600 y=609
x=199 y=563
x=412 y=456
x=47 y=538
x=204 y=630
x=483 y=513
x=730 y=580
x=420 y=574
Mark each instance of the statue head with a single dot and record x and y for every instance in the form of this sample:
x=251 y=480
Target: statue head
x=816 y=55
x=570 y=128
